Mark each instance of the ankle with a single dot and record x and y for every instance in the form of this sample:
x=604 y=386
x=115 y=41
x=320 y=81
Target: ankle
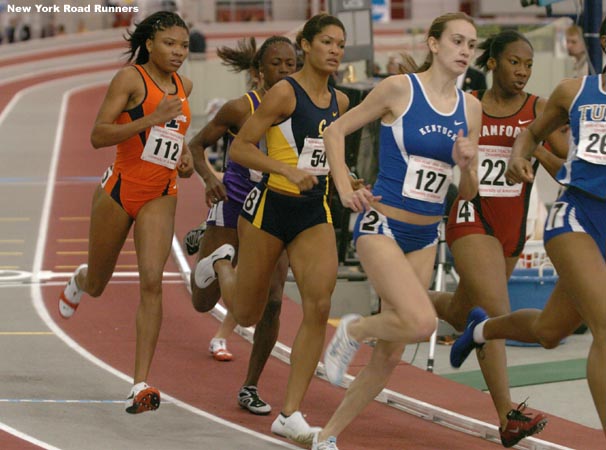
x=353 y=332
x=478 y=333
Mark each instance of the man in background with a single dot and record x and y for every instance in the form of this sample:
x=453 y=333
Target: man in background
x=575 y=45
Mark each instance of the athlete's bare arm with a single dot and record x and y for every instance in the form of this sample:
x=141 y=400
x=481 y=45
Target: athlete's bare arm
x=126 y=91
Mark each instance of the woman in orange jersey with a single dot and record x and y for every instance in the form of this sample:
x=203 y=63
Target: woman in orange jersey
x=487 y=234
x=146 y=114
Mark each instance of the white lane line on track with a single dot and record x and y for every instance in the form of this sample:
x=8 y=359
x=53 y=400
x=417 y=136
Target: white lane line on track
x=38 y=301
x=397 y=400
x=410 y=405
x=4 y=427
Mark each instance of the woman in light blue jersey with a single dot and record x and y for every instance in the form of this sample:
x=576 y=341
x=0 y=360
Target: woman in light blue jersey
x=427 y=127
x=575 y=234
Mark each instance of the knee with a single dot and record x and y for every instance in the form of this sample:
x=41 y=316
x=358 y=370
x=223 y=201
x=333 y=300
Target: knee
x=424 y=326
x=549 y=338
x=246 y=318
x=248 y=310
x=427 y=328
x=316 y=311
x=151 y=285
x=202 y=300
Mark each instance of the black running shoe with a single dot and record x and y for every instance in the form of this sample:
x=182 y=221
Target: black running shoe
x=248 y=398
x=191 y=241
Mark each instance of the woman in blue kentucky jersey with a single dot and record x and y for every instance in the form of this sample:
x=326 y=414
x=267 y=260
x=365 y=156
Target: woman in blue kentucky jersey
x=427 y=126
x=575 y=234
x=289 y=209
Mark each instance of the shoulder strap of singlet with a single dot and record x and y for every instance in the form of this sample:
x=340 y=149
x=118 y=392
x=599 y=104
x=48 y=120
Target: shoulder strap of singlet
x=253 y=99
x=148 y=80
x=178 y=82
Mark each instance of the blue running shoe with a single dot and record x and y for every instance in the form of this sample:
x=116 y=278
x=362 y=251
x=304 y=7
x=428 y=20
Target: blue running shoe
x=465 y=344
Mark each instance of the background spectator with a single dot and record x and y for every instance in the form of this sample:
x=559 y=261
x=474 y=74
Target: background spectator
x=575 y=45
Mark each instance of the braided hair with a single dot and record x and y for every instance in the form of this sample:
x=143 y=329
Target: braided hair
x=495 y=45
x=147 y=29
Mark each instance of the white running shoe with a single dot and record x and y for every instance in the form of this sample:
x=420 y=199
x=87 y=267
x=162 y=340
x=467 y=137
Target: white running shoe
x=340 y=351
x=205 y=273
x=71 y=295
x=328 y=444
x=295 y=428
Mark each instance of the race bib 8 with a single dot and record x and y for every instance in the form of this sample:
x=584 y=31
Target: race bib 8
x=493 y=165
x=163 y=147
x=252 y=199
x=427 y=179
x=313 y=157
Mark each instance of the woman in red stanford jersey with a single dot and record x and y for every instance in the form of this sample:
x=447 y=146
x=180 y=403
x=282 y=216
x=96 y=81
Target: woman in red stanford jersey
x=487 y=234
x=145 y=113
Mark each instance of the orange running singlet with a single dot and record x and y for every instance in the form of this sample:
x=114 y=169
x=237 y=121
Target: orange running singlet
x=145 y=165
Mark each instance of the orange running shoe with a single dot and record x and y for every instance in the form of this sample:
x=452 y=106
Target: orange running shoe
x=142 y=398
x=218 y=348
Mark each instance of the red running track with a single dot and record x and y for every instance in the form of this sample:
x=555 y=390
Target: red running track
x=182 y=366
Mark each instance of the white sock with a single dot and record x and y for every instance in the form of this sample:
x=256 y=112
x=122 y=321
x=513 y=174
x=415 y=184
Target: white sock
x=139 y=386
x=478 y=333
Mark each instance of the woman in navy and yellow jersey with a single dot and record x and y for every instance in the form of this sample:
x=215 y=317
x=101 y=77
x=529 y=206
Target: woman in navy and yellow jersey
x=487 y=234
x=289 y=209
x=145 y=113
x=427 y=127
x=575 y=234
x=273 y=61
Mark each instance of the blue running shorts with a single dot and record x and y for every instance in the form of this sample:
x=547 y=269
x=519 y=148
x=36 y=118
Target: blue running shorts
x=408 y=236
x=576 y=211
